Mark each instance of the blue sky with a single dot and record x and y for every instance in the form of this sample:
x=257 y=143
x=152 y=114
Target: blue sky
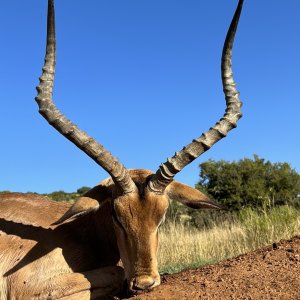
x=143 y=78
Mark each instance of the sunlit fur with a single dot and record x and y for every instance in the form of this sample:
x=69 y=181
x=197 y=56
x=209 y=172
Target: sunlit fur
x=53 y=248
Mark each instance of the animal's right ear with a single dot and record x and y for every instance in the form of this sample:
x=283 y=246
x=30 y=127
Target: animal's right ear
x=82 y=207
x=191 y=197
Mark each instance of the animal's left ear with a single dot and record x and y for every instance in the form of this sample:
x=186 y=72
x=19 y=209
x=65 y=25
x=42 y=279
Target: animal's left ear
x=82 y=207
x=88 y=203
x=190 y=196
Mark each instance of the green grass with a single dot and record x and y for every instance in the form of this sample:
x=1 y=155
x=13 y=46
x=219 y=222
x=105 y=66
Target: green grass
x=183 y=246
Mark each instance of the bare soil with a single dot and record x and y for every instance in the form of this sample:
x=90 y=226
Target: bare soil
x=272 y=272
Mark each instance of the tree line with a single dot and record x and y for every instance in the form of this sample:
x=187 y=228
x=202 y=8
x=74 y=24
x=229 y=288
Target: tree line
x=249 y=182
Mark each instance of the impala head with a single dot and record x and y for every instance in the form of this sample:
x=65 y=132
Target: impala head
x=137 y=218
x=139 y=199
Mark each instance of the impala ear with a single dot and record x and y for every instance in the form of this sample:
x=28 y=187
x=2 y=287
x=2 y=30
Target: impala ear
x=89 y=203
x=82 y=207
x=190 y=197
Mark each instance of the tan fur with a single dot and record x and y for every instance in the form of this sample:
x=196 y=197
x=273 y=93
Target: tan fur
x=31 y=209
x=50 y=262
x=50 y=250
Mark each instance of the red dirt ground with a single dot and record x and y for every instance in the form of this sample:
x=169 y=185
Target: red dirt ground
x=269 y=273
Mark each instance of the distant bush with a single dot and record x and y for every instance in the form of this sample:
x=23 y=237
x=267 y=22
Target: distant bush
x=83 y=190
x=62 y=196
x=70 y=197
x=250 y=182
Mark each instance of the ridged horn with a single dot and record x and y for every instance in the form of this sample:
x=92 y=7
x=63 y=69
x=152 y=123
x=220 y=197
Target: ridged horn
x=166 y=172
x=69 y=130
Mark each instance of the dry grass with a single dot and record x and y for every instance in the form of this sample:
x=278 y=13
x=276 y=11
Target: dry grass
x=183 y=246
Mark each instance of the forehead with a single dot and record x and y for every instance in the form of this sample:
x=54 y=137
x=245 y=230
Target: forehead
x=145 y=203
x=139 y=176
x=140 y=203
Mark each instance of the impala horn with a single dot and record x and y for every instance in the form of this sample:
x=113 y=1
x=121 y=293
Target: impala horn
x=69 y=130
x=175 y=164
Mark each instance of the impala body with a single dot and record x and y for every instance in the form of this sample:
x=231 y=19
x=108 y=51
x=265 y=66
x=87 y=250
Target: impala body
x=51 y=250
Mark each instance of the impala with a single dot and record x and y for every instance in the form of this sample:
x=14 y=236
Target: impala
x=54 y=250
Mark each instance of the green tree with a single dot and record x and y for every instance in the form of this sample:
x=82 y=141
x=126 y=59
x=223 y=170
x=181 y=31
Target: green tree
x=250 y=182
